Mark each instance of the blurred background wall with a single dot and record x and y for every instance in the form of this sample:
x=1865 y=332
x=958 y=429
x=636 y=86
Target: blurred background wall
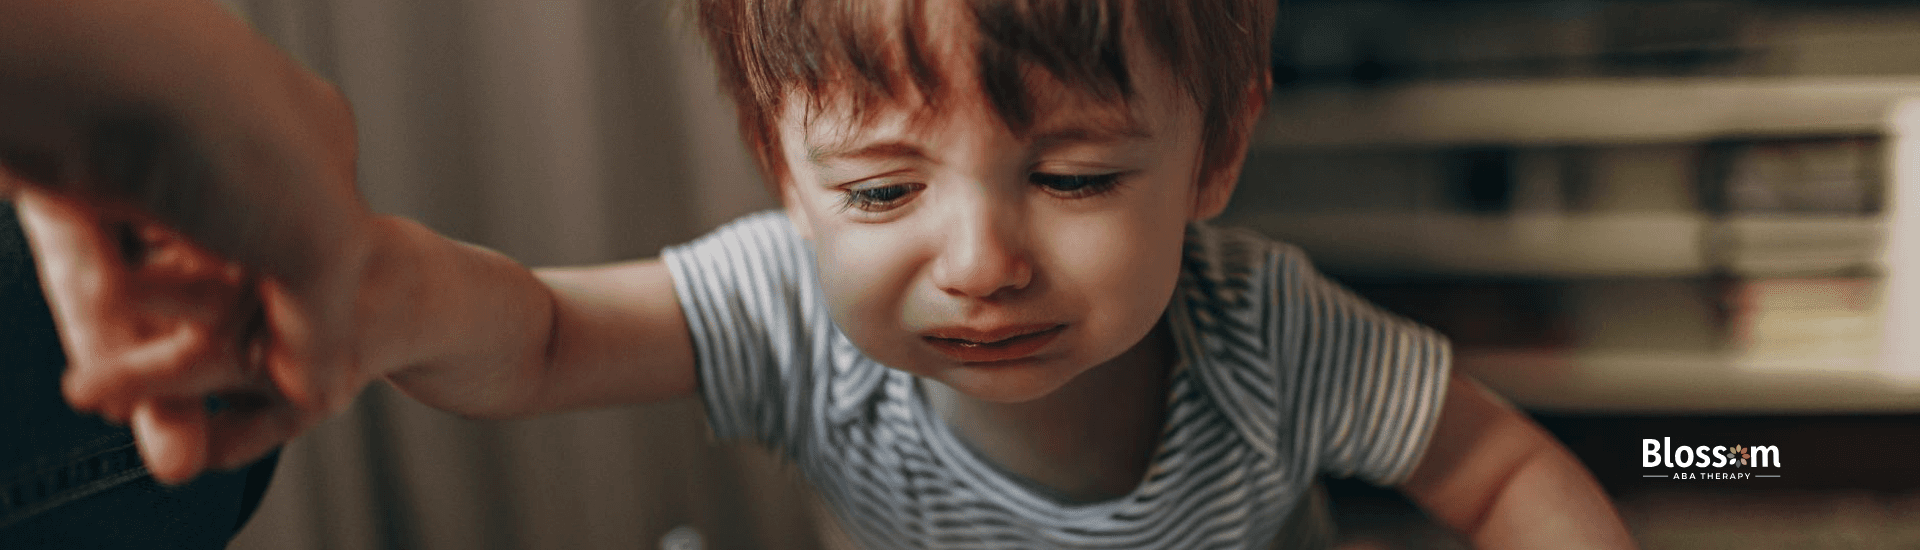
x=558 y=132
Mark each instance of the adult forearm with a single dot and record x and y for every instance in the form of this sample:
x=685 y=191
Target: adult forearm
x=456 y=326
x=64 y=63
x=69 y=67
x=182 y=111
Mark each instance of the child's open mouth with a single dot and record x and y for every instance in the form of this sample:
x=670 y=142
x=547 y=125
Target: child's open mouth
x=974 y=346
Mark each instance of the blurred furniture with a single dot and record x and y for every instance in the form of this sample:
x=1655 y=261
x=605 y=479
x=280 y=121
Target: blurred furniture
x=1614 y=206
x=1688 y=220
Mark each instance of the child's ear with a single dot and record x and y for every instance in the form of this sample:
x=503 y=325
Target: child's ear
x=790 y=200
x=1216 y=186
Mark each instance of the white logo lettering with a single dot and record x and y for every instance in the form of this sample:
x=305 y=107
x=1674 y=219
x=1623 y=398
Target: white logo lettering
x=1663 y=453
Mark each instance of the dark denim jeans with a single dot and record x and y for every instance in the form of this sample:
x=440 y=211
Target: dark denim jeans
x=72 y=481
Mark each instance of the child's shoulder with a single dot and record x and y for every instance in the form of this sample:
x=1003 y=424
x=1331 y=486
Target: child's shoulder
x=1236 y=245
x=1233 y=266
x=1241 y=290
x=760 y=248
x=765 y=223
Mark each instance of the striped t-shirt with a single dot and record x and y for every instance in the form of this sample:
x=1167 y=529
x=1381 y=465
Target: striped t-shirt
x=1283 y=376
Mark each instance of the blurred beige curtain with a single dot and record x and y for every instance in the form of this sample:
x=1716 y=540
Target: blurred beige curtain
x=556 y=131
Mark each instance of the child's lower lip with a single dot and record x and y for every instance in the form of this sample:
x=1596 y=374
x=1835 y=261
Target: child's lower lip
x=1017 y=347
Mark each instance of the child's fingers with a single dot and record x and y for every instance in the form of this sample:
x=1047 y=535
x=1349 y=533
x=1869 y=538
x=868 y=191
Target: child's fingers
x=172 y=435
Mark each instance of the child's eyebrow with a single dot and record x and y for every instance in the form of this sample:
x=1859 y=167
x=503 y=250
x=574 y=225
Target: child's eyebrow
x=896 y=149
x=822 y=154
x=1097 y=132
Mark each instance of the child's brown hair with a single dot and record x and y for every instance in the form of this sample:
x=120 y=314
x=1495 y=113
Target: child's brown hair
x=766 y=49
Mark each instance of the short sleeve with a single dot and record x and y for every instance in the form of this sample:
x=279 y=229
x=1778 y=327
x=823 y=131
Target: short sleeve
x=745 y=290
x=1371 y=382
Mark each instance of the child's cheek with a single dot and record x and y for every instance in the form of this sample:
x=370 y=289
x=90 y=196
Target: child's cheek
x=867 y=281
x=1127 y=270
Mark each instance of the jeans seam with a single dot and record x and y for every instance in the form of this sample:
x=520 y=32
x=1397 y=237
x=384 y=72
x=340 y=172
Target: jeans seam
x=52 y=461
x=46 y=488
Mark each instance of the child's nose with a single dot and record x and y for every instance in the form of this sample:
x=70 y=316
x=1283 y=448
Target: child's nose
x=983 y=258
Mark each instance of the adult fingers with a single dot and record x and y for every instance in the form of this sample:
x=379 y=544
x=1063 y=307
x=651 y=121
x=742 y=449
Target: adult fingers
x=134 y=329
x=299 y=380
x=172 y=434
x=182 y=436
x=7 y=182
x=83 y=274
x=253 y=424
x=314 y=373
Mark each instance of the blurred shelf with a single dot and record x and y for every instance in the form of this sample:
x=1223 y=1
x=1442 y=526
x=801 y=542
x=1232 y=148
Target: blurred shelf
x=1595 y=110
x=1623 y=244
x=1666 y=382
x=1799 y=244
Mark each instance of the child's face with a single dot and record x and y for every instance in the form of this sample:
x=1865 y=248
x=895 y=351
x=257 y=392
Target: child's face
x=1002 y=265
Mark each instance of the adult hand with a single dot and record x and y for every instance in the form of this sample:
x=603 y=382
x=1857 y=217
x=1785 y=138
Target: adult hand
x=188 y=191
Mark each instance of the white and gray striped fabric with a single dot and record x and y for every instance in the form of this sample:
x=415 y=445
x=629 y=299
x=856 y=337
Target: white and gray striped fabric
x=1284 y=376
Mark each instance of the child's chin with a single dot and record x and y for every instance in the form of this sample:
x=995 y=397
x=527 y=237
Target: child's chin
x=1007 y=384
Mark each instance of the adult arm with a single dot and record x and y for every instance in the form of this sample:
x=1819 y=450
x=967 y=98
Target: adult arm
x=176 y=174
x=1503 y=482
x=189 y=190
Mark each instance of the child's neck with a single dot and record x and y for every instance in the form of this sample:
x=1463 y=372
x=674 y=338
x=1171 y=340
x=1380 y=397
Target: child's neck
x=1089 y=441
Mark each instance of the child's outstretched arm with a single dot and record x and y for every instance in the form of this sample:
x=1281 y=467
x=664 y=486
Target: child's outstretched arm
x=189 y=193
x=1496 y=477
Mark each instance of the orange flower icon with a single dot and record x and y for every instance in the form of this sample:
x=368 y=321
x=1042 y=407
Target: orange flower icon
x=1738 y=453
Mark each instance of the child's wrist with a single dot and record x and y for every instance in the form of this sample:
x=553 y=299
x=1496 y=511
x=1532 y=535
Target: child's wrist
x=456 y=326
x=391 y=297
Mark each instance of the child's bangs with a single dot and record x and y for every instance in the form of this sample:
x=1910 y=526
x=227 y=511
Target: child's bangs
x=860 y=54
x=863 y=54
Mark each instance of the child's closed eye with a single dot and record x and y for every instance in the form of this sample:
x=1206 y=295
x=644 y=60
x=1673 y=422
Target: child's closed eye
x=878 y=195
x=1075 y=186
x=884 y=194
